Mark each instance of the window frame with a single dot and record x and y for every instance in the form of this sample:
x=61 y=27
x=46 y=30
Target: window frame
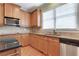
x=53 y=19
x=65 y=29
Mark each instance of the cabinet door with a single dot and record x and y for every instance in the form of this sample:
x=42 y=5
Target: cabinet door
x=39 y=18
x=8 y=9
x=36 y=42
x=27 y=19
x=40 y=46
x=16 y=11
x=25 y=40
x=32 y=20
x=45 y=45
x=35 y=18
x=21 y=21
x=53 y=47
x=1 y=14
x=18 y=37
x=30 y=39
x=24 y=19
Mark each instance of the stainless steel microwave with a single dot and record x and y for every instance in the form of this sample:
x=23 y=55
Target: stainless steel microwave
x=10 y=21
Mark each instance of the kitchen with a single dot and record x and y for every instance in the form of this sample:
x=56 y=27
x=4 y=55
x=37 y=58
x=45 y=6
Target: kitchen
x=39 y=29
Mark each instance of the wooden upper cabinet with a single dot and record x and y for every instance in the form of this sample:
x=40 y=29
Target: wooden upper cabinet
x=35 y=18
x=21 y=21
x=11 y=10
x=8 y=9
x=16 y=11
x=1 y=14
x=27 y=19
x=24 y=18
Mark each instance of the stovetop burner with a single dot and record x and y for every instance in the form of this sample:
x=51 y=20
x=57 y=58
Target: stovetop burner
x=8 y=43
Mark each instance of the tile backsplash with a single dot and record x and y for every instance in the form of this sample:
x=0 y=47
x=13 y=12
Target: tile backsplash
x=13 y=30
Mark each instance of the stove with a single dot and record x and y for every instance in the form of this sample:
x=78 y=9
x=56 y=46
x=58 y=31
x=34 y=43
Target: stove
x=8 y=43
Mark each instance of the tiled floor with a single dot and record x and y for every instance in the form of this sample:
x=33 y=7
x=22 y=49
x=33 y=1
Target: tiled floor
x=29 y=51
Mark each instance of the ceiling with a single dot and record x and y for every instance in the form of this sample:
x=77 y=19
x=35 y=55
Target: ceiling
x=29 y=7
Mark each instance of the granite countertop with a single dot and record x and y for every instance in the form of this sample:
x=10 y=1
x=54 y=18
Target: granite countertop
x=58 y=36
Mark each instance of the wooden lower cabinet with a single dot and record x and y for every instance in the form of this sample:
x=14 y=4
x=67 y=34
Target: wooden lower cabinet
x=54 y=47
x=45 y=45
x=30 y=39
x=24 y=40
x=39 y=43
x=48 y=45
x=36 y=42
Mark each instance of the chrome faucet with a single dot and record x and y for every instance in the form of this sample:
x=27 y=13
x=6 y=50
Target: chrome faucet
x=54 y=32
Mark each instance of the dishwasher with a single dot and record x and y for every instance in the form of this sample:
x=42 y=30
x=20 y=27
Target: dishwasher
x=69 y=47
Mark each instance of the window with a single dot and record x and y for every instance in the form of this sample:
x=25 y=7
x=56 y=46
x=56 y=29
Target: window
x=66 y=17
x=48 y=20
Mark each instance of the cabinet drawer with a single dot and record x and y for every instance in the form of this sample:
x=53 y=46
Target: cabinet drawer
x=9 y=52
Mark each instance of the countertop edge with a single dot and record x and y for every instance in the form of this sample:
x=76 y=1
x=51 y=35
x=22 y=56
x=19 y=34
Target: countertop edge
x=68 y=37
